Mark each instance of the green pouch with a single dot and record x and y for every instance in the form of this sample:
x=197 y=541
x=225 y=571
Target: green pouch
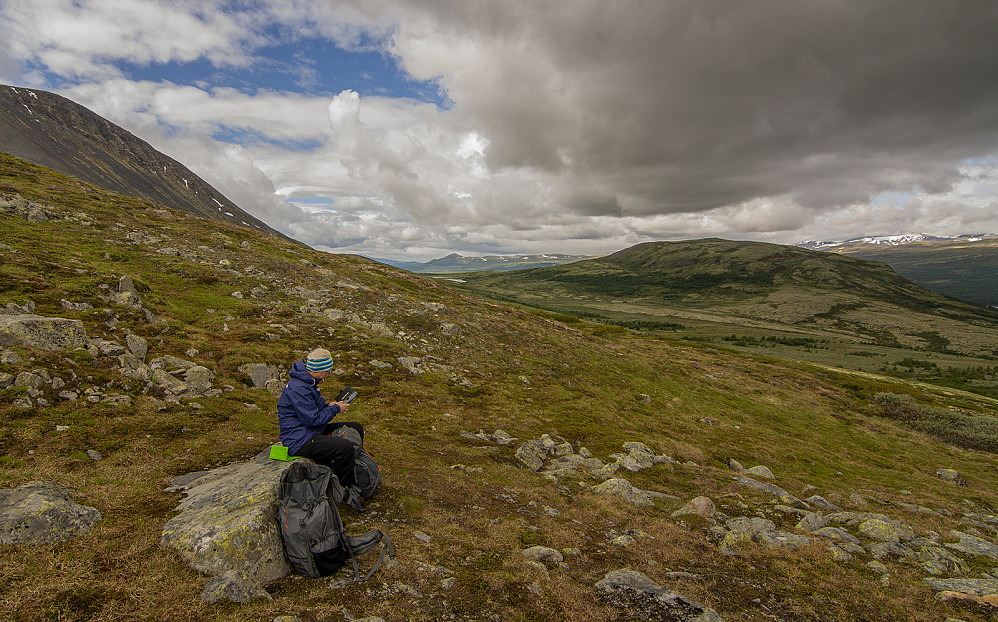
x=279 y=452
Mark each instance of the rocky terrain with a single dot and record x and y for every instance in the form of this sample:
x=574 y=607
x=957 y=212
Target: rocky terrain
x=535 y=469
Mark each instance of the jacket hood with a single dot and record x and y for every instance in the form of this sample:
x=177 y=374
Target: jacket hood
x=299 y=372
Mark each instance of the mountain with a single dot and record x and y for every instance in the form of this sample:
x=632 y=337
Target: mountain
x=641 y=442
x=864 y=314
x=459 y=263
x=964 y=267
x=57 y=133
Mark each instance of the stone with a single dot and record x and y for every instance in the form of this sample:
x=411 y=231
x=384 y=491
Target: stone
x=502 y=438
x=46 y=333
x=782 y=540
x=641 y=598
x=138 y=346
x=199 y=379
x=812 y=521
x=543 y=554
x=834 y=533
x=736 y=466
x=42 y=512
x=237 y=586
x=760 y=471
x=227 y=520
x=260 y=373
x=974 y=587
x=937 y=561
x=700 y=506
x=973 y=545
x=885 y=531
x=821 y=502
x=623 y=489
x=532 y=454
x=950 y=475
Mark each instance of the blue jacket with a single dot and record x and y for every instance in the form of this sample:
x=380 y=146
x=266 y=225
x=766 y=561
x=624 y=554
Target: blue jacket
x=301 y=411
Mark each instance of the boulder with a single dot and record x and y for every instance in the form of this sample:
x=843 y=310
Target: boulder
x=642 y=598
x=623 y=489
x=543 y=554
x=228 y=521
x=973 y=545
x=46 y=333
x=700 y=506
x=951 y=475
x=260 y=373
x=532 y=454
x=40 y=512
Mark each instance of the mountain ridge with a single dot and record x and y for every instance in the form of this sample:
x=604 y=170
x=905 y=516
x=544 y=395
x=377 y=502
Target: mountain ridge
x=55 y=132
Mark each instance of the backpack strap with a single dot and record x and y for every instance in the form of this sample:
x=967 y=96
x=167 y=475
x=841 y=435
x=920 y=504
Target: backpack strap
x=358 y=545
x=353 y=499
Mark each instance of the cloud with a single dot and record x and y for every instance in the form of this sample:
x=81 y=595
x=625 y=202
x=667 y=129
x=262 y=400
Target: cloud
x=570 y=124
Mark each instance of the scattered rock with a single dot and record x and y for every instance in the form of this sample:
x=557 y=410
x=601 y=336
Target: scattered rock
x=46 y=333
x=951 y=475
x=543 y=554
x=624 y=489
x=640 y=598
x=40 y=512
x=700 y=506
x=237 y=586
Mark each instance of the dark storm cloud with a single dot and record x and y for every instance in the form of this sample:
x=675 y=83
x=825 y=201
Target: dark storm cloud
x=693 y=104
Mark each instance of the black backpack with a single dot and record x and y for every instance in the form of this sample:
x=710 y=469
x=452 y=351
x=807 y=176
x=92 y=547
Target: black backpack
x=366 y=473
x=315 y=541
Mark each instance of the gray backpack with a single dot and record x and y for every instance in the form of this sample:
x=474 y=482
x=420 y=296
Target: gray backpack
x=366 y=472
x=315 y=541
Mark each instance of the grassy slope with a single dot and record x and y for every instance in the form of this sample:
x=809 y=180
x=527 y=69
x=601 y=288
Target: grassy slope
x=529 y=374
x=848 y=312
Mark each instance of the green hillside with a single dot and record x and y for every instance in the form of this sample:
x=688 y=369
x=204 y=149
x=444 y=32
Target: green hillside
x=766 y=298
x=434 y=366
x=961 y=269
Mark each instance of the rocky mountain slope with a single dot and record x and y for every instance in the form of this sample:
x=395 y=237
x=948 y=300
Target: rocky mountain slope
x=57 y=133
x=535 y=469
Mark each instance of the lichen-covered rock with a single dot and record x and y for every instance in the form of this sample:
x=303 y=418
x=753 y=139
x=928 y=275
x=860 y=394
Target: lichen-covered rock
x=532 y=454
x=260 y=373
x=237 y=586
x=885 y=531
x=543 y=554
x=47 y=333
x=227 y=521
x=951 y=475
x=700 y=506
x=623 y=489
x=40 y=512
x=973 y=545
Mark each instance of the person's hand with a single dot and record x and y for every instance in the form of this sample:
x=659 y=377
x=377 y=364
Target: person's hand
x=343 y=406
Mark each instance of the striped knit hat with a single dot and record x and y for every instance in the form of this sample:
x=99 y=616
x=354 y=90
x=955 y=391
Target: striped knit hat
x=319 y=360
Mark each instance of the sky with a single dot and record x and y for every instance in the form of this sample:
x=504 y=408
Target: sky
x=412 y=129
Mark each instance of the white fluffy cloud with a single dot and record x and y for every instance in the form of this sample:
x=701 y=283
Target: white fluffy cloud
x=573 y=125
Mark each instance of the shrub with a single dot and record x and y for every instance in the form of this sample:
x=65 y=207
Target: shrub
x=966 y=430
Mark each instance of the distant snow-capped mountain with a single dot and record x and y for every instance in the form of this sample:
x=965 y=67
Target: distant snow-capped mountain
x=891 y=240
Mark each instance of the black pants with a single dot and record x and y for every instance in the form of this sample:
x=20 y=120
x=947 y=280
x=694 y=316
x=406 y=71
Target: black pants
x=335 y=452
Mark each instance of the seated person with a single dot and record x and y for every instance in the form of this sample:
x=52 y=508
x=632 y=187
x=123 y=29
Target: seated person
x=306 y=418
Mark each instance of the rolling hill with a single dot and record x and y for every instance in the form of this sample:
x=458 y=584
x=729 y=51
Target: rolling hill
x=844 y=311
x=439 y=372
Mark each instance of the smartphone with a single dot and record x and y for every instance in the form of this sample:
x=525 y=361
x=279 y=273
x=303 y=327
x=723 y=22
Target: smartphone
x=346 y=395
